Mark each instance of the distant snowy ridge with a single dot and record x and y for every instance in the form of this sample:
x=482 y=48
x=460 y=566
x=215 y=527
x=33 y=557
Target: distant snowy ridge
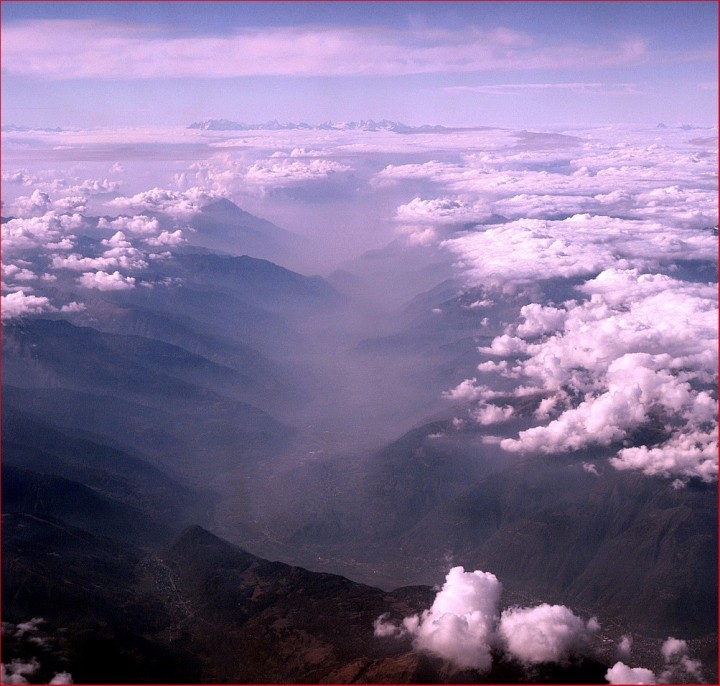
x=274 y=125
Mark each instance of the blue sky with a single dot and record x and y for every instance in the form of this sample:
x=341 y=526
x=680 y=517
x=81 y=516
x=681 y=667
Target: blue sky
x=536 y=64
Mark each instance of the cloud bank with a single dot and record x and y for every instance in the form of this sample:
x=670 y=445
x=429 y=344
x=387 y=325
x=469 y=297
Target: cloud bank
x=80 y=49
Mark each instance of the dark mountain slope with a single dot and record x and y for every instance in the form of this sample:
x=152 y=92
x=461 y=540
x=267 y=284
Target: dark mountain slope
x=222 y=225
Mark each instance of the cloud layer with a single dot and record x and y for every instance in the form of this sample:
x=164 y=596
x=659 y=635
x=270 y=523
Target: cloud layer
x=77 y=49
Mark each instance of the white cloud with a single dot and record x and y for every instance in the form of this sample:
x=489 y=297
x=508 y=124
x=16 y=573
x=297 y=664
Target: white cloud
x=441 y=211
x=50 y=231
x=166 y=238
x=138 y=225
x=460 y=623
x=464 y=624
x=492 y=414
x=62 y=678
x=70 y=49
x=175 y=204
x=620 y=673
x=103 y=281
x=679 y=667
x=546 y=633
x=277 y=173
x=18 y=305
x=640 y=345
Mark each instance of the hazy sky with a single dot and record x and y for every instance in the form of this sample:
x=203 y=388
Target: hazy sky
x=453 y=63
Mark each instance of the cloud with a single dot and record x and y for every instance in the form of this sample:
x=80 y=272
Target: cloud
x=460 y=623
x=79 y=49
x=292 y=171
x=138 y=225
x=19 y=305
x=62 y=678
x=625 y=645
x=642 y=346
x=15 y=671
x=679 y=668
x=441 y=211
x=464 y=625
x=492 y=414
x=166 y=238
x=546 y=633
x=175 y=204
x=524 y=88
x=620 y=673
x=50 y=231
x=102 y=281
x=527 y=250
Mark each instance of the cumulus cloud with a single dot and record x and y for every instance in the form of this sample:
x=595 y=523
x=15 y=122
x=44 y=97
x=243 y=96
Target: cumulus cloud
x=492 y=414
x=526 y=250
x=291 y=171
x=102 y=281
x=620 y=673
x=166 y=238
x=16 y=671
x=679 y=667
x=69 y=49
x=442 y=211
x=50 y=231
x=642 y=347
x=459 y=625
x=177 y=204
x=19 y=305
x=546 y=633
x=62 y=678
x=138 y=225
x=464 y=625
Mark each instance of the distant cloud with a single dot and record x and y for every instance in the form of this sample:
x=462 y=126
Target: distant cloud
x=102 y=281
x=77 y=49
x=679 y=668
x=524 y=88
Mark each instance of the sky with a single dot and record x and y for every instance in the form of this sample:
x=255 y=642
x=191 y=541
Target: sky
x=522 y=64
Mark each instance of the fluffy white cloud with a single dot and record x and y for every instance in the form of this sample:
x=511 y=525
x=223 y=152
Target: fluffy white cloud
x=166 y=238
x=620 y=673
x=546 y=633
x=173 y=203
x=291 y=171
x=121 y=254
x=18 y=305
x=641 y=346
x=492 y=414
x=460 y=623
x=464 y=624
x=527 y=250
x=138 y=225
x=50 y=231
x=62 y=678
x=679 y=667
x=442 y=211
x=103 y=281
